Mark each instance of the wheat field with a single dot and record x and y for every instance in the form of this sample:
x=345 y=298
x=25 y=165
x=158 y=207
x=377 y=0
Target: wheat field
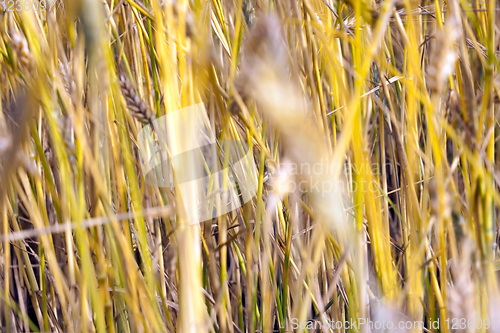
x=370 y=130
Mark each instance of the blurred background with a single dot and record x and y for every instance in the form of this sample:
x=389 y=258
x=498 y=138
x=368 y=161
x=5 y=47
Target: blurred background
x=370 y=130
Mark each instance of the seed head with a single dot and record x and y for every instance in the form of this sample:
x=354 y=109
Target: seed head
x=137 y=107
x=20 y=46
